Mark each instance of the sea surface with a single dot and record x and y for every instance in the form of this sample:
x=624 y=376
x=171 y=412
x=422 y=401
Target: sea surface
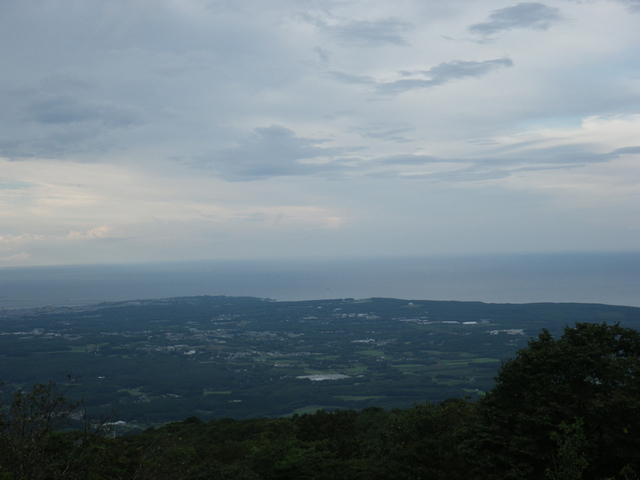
x=612 y=278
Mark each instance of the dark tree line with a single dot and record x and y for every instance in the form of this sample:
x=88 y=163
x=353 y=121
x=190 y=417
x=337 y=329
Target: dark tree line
x=566 y=408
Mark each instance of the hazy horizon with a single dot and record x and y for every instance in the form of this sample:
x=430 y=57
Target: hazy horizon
x=612 y=278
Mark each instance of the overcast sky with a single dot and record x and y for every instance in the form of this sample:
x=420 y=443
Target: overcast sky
x=167 y=130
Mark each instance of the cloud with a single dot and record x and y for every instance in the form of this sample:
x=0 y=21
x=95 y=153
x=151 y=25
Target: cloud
x=376 y=33
x=501 y=162
x=534 y=154
x=352 y=79
x=67 y=110
x=441 y=74
x=105 y=231
x=323 y=55
x=435 y=76
x=409 y=159
x=523 y=15
x=633 y=5
x=22 y=238
x=626 y=151
x=276 y=151
x=18 y=257
x=56 y=125
x=124 y=111
x=384 y=131
x=55 y=143
x=15 y=185
x=272 y=152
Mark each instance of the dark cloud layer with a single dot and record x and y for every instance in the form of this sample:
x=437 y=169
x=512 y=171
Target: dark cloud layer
x=626 y=151
x=441 y=74
x=502 y=164
x=57 y=125
x=444 y=73
x=523 y=15
x=436 y=76
x=83 y=143
x=383 y=131
x=276 y=151
x=408 y=159
x=66 y=110
x=272 y=152
x=386 y=31
x=633 y=5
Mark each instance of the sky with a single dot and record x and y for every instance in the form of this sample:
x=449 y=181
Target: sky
x=160 y=130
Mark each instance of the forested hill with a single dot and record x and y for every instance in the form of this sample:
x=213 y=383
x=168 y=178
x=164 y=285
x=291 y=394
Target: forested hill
x=154 y=361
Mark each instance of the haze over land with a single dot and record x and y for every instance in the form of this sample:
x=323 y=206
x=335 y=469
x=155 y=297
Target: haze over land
x=181 y=130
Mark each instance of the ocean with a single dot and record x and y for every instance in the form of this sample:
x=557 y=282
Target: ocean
x=608 y=278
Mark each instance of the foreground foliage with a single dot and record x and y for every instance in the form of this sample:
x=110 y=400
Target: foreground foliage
x=565 y=403
x=566 y=408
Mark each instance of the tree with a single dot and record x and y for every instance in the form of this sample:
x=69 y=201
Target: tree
x=424 y=441
x=577 y=398
x=571 y=459
x=33 y=443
